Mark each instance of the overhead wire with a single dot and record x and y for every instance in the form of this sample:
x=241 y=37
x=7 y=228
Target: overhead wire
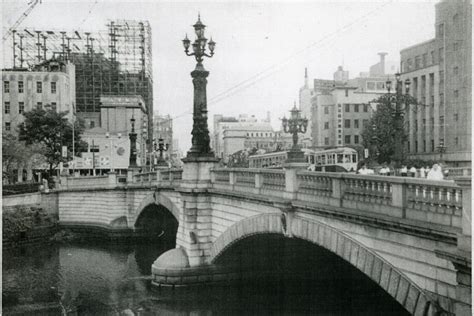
x=265 y=73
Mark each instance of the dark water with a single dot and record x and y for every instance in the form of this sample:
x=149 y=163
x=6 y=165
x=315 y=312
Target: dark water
x=105 y=279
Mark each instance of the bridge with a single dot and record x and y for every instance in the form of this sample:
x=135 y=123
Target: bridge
x=410 y=236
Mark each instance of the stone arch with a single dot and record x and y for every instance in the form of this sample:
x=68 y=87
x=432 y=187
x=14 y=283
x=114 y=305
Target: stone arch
x=159 y=199
x=414 y=299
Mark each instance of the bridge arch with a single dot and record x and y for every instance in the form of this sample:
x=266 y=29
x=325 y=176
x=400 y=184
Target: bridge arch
x=156 y=198
x=389 y=278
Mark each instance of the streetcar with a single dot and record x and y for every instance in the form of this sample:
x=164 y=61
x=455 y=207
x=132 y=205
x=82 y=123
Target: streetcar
x=341 y=159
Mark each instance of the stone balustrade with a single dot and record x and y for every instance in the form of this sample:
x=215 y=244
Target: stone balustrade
x=459 y=172
x=432 y=202
x=159 y=177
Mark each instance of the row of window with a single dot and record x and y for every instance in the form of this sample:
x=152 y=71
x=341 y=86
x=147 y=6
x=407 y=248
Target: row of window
x=260 y=134
x=432 y=145
x=21 y=87
x=347 y=124
x=21 y=107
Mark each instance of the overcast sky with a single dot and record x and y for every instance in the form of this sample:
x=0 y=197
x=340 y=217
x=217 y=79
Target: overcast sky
x=262 y=47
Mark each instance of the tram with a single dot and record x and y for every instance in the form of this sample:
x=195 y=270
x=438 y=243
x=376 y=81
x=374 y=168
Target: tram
x=342 y=159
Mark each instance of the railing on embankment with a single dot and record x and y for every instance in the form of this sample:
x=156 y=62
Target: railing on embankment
x=431 y=203
x=163 y=177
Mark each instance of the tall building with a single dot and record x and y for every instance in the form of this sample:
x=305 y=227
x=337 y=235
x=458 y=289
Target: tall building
x=114 y=61
x=342 y=107
x=440 y=71
x=232 y=134
x=48 y=84
x=305 y=95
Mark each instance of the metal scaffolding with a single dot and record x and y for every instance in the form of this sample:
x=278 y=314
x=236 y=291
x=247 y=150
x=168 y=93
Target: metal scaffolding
x=114 y=61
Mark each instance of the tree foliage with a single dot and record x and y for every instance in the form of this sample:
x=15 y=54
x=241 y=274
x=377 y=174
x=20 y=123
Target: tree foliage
x=17 y=154
x=381 y=134
x=52 y=130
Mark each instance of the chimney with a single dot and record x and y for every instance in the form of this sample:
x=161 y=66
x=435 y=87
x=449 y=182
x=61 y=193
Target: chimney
x=382 y=62
x=306 y=77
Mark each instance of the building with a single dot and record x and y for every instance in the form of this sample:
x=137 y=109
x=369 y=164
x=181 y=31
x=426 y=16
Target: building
x=305 y=95
x=48 y=85
x=342 y=107
x=113 y=61
x=232 y=134
x=440 y=71
x=164 y=129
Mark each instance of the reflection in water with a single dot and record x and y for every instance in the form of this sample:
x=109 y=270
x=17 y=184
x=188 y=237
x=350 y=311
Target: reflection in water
x=85 y=279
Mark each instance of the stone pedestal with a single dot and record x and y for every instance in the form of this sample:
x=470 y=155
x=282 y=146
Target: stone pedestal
x=131 y=172
x=291 y=183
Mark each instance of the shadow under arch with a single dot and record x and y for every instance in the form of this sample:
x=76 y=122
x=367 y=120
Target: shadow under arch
x=387 y=277
x=156 y=222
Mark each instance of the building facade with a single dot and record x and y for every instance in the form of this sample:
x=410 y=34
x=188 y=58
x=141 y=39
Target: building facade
x=49 y=85
x=440 y=71
x=163 y=128
x=342 y=107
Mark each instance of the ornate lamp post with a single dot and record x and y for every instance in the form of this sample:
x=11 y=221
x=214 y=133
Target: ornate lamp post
x=441 y=150
x=200 y=140
x=294 y=125
x=133 y=144
x=161 y=147
x=399 y=103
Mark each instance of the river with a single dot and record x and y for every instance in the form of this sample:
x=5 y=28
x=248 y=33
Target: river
x=109 y=279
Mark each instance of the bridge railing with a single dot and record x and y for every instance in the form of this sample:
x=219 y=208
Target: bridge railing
x=159 y=177
x=434 y=202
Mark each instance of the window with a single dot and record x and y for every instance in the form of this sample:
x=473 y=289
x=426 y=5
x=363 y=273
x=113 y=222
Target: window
x=53 y=106
x=356 y=123
x=456 y=93
x=356 y=139
x=441 y=120
x=432 y=57
x=326 y=140
x=347 y=92
x=455 y=46
x=456 y=70
x=416 y=125
x=416 y=146
x=432 y=145
x=326 y=125
x=425 y=60
x=456 y=140
x=347 y=107
x=424 y=145
x=39 y=105
x=356 y=107
x=455 y=117
x=326 y=110
x=7 y=126
x=364 y=123
x=21 y=87
x=347 y=139
x=7 y=107
x=6 y=87
x=366 y=108
x=417 y=62
x=39 y=87
x=21 y=107
x=53 y=87
x=441 y=30
x=432 y=123
x=432 y=100
x=92 y=125
x=441 y=54
x=347 y=123
x=441 y=99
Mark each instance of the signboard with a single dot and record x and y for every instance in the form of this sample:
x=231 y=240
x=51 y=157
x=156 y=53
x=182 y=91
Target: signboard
x=366 y=153
x=64 y=151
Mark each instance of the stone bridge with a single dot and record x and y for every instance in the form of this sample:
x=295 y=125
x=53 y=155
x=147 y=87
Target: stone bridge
x=410 y=236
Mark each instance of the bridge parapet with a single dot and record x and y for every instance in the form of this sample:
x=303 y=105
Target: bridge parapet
x=159 y=177
x=429 y=202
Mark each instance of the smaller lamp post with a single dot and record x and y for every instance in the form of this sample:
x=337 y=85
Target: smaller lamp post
x=133 y=144
x=294 y=125
x=161 y=147
x=399 y=103
x=441 y=150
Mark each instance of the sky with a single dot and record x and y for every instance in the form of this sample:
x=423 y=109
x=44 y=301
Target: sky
x=262 y=47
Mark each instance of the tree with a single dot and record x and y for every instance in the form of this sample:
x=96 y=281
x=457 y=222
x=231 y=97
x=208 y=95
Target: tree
x=17 y=153
x=52 y=130
x=382 y=132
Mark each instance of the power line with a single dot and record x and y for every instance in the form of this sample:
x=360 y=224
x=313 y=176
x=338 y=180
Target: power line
x=280 y=65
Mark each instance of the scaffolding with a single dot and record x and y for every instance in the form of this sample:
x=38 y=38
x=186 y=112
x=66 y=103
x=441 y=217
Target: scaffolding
x=114 y=61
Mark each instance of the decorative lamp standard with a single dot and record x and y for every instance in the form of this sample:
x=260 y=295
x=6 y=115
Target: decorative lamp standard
x=161 y=147
x=294 y=125
x=133 y=144
x=399 y=102
x=441 y=150
x=200 y=140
